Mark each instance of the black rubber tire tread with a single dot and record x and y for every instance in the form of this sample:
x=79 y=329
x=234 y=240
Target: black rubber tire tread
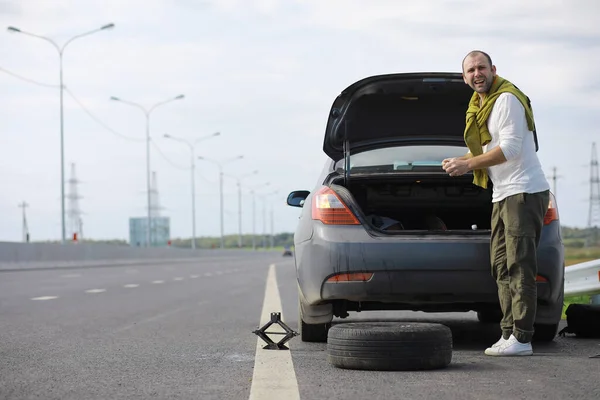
x=389 y=346
x=545 y=333
x=312 y=332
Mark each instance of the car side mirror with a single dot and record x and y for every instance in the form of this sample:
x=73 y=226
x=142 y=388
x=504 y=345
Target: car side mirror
x=297 y=198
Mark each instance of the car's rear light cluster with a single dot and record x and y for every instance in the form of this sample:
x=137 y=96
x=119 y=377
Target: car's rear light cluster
x=552 y=212
x=328 y=208
x=351 y=277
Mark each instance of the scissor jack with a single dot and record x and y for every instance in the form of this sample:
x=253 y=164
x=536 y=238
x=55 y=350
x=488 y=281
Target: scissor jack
x=271 y=345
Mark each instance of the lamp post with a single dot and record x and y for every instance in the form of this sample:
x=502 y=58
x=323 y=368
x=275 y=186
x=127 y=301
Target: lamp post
x=239 y=186
x=254 y=213
x=220 y=164
x=192 y=147
x=264 y=201
x=147 y=114
x=61 y=50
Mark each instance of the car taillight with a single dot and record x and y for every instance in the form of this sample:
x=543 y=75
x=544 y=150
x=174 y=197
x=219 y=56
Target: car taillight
x=552 y=213
x=328 y=208
x=351 y=277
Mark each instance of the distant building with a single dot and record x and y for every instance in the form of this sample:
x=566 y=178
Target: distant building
x=159 y=236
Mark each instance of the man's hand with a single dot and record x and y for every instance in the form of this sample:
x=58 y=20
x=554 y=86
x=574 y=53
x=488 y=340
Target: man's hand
x=455 y=166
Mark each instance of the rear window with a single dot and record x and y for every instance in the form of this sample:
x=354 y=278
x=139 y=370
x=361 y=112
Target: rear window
x=401 y=158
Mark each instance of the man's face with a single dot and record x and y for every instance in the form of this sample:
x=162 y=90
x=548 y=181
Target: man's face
x=478 y=73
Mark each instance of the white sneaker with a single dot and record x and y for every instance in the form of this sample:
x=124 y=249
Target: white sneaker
x=491 y=351
x=511 y=347
x=499 y=342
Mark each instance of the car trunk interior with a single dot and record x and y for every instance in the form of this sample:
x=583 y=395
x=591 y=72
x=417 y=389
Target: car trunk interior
x=397 y=204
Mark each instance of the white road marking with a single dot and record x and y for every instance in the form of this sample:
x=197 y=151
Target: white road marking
x=208 y=274
x=95 y=291
x=45 y=298
x=193 y=276
x=178 y=279
x=131 y=285
x=274 y=376
x=156 y=282
x=71 y=276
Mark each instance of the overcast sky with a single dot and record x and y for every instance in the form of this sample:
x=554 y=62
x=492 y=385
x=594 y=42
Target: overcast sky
x=264 y=74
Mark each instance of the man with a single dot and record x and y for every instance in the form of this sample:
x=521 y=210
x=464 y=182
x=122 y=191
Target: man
x=499 y=135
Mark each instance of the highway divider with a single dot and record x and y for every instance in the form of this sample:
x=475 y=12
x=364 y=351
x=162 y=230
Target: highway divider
x=17 y=256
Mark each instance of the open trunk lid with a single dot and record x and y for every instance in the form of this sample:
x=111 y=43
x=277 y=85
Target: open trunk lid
x=386 y=110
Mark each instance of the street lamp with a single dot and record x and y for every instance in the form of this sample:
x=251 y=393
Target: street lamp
x=147 y=114
x=62 y=141
x=239 y=186
x=254 y=213
x=193 y=168
x=220 y=164
x=264 y=204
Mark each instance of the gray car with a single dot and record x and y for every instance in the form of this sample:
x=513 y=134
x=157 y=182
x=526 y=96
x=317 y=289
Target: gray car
x=385 y=228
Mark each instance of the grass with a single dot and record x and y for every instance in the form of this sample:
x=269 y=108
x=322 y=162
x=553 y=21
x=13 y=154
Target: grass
x=576 y=256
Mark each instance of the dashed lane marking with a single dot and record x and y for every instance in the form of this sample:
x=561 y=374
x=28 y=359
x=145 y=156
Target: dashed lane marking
x=157 y=282
x=274 y=376
x=178 y=279
x=131 y=285
x=95 y=291
x=194 y=276
x=42 y=298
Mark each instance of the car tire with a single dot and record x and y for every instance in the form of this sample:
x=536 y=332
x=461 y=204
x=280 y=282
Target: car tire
x=545 y=333
x=312 y=332
x=389 y=346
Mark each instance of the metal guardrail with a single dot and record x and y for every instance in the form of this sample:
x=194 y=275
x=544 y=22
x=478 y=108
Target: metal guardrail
x=583 y=279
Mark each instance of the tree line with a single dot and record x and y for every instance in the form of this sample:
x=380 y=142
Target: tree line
x=572 y=237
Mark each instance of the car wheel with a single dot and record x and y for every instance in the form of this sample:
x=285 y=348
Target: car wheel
x=489 y=316
x=545 y=333
x=389 y=346
x=312 y=332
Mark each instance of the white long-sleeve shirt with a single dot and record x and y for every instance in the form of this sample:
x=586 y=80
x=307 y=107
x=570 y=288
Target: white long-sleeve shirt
x=522 y=172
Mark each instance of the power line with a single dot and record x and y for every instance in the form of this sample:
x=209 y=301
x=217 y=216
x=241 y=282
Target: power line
x=105 y=126
x=167 y=158
x=85 y=109
x=29 y=80
x=108 y=128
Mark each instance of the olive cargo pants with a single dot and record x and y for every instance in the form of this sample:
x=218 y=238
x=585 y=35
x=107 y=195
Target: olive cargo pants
x=516 y=225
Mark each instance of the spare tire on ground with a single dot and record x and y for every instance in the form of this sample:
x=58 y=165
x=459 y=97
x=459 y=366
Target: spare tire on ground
x=391 y=346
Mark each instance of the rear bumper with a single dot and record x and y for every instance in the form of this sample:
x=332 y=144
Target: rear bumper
x=411 y=270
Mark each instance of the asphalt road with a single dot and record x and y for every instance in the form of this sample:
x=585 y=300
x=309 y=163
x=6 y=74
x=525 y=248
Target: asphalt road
x=184 y=330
